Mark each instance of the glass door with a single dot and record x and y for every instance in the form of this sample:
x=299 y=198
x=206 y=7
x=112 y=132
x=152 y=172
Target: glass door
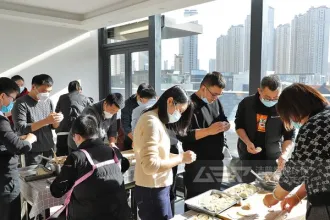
x=128 y=68
x=118 y=73
x=139 y=69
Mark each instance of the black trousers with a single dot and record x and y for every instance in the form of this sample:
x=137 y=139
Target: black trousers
x=317 y=212
x=153 y=203
x=10 y=202
x=174 y=150
x=62 y=148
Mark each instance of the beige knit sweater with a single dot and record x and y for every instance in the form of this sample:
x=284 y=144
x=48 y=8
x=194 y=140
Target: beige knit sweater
x=151 y=145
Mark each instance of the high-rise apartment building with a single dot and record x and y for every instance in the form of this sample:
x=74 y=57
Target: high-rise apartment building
x=212 y=65
x=221 y=54
x=310 y=41
x=235 y=40
x=188 y=47
x=282 y=49
x=229 y=50
x=179 y=63
x=247 y=41
x=268 y=40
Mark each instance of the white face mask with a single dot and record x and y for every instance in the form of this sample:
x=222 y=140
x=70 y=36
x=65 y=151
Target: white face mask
x=21 y=89
x=43 y=96
x=107 y=115
x=174 y=117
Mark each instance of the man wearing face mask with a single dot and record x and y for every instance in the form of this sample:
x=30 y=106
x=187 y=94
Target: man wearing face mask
x=262 y=135
x=22 y=92
x=35 y=113
x=126 y=115
x=20 y=82
x=148 y=98
x=105 y=113
x=205 y=136
x=71 y=105
x=11 y=145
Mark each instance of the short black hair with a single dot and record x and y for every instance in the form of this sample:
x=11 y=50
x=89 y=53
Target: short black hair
x=148 y=93
x=179 y=96
x=86 y=126
x=116 y=99
x=271 y=82
x=74 y=86
x=42 y=79
x=214 y=79
x=141 y=87
x=16 y=78
x=8 y=86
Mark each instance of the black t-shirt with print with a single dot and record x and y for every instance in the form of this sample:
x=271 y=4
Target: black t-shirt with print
x=262 y=116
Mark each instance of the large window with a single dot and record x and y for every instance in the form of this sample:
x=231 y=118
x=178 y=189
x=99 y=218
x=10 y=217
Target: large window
x=297 y=35
x=117 y=71
x=223 y=46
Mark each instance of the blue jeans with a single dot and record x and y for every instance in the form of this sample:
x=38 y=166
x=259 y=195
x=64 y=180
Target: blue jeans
x=153 y=203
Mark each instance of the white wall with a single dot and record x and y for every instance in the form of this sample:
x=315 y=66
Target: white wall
x=20 y=42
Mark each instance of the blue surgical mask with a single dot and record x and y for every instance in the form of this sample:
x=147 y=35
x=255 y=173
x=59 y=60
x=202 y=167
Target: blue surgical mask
x=21 y=89
x=6 y=109
x=139 y=103
x=268 y=103
x=296 y=125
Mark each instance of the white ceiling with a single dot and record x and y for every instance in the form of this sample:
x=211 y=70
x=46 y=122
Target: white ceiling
x=70 y=6
x=87 y=14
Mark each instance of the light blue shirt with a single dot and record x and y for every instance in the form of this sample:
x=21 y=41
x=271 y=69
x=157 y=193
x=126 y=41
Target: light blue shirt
x=138 y=111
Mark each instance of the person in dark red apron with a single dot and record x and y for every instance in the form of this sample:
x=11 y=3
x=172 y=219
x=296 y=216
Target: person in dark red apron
x=91 y=178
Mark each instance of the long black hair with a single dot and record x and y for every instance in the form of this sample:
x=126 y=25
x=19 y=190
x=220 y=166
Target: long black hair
x=179 y=96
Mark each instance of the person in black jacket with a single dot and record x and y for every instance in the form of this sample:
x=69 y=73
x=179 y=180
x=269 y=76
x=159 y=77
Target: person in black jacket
x=126 y=115
x=205 y=136
x=70 y=105
x=102 y=195
x=11 y=145
x=105 y=113
x=262 y=135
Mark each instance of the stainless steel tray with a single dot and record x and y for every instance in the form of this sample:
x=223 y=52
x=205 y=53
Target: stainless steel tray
x=194 y=203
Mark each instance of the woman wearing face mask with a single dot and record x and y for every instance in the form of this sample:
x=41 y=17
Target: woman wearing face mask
x=11 y=145
x=304 y=108
x=91 y=177
x=154 y=162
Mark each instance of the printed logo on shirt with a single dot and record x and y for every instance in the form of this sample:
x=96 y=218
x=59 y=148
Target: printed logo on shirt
x=261 y=122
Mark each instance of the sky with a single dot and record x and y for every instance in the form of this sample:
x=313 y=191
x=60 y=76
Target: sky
x=216 y=18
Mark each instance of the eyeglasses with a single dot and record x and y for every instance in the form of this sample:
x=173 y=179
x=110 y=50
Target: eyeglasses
x=213 y=94
x=10 y=97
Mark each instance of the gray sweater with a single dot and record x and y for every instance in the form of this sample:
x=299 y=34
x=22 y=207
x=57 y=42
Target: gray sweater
x=27 y=111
